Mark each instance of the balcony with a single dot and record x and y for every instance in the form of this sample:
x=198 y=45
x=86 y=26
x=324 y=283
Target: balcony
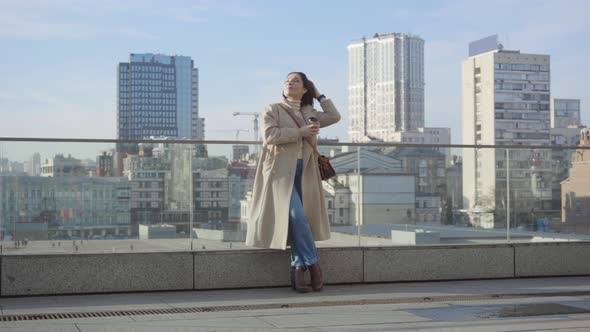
x=99 y=231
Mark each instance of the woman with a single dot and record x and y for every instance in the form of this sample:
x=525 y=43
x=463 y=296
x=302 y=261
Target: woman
x=288 y=201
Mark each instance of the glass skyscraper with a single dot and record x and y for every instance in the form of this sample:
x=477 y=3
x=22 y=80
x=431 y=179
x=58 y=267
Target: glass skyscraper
x=158 y=95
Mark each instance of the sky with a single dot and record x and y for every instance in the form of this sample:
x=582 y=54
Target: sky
x=58 y=58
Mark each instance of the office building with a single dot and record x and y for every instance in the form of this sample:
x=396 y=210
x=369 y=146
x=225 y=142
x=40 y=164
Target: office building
x=158 y=95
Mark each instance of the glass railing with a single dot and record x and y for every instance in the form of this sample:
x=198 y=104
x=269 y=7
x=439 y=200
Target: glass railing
x=75 y=195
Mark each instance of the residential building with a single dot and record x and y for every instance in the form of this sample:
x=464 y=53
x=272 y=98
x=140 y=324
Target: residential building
x=211 y=192
x=575 y=190
x=338 y=198
x=561 y=158
x=506 y=102
x=431 y=136
x=385 y=86
x=428 y=208
x=454 y=201
x=147 y=180
x=427 y=164
x=65 y=203
x=565 y=113
x=34 y=165
x=104 y=165
x=62 y=166
x=383 y=193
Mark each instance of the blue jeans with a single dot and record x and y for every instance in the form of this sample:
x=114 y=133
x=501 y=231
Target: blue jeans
x=303 y=250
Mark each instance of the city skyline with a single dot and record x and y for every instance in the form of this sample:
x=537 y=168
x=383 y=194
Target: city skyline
x=70 y=90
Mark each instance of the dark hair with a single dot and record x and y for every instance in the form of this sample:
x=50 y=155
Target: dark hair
x=307 y=98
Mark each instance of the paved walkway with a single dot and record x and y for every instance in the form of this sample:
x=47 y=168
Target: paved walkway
x=545 y=304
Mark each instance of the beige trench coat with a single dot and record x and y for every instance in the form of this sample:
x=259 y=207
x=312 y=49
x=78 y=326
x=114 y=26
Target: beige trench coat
x=268 y=223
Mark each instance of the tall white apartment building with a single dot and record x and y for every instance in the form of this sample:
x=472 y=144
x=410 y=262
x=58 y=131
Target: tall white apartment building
x=506 y=96
x=385 y=86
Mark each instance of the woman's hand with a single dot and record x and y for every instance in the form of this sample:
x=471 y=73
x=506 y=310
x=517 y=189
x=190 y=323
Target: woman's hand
x=316 y=92
x=309 y=131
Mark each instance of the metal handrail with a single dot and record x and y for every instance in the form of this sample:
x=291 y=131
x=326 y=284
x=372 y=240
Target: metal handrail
x=376 y=145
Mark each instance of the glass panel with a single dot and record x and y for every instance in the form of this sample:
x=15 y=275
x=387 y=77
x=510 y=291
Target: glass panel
x=409 y=193
x=223 y=181
x=157 y=195
x=342 y=196
x=94 y=197
x=550 y=190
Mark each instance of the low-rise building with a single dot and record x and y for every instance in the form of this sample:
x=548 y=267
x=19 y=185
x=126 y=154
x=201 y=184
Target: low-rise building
x=575 y=190
x=381 y=193
x=64 y=203
x=104 y=165
x=62 y=166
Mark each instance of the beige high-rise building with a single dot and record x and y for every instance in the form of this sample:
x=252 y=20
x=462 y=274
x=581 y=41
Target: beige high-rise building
x=505 y=102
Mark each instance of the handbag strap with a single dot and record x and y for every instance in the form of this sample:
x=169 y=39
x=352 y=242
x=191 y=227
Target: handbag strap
x=291 y=115
x=314 y=146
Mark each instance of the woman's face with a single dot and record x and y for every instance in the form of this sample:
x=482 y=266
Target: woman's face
x=293 y=87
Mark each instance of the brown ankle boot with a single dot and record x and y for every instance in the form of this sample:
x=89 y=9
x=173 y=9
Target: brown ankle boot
x=299 y=280
x=317 y=280
x=293 y=277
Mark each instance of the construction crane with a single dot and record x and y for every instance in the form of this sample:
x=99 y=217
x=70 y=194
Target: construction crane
x=239 y=150
x=256 y=136
x=237 y=131
x=255 y=115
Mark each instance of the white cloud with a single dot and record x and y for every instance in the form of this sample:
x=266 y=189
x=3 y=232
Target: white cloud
x=35 y=28
x=71 y=19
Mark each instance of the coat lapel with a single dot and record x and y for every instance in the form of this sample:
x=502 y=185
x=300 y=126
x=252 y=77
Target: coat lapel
x=305 y=112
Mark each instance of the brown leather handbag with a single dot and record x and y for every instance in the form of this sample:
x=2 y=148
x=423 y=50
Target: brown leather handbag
x=326 y=170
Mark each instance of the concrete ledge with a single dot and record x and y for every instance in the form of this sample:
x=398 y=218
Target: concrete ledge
x=438 y=263
x=125 y=272
x=552 y=259
x=244 y=268
x=341 y=265
x=265 y=268
x=95 y=273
